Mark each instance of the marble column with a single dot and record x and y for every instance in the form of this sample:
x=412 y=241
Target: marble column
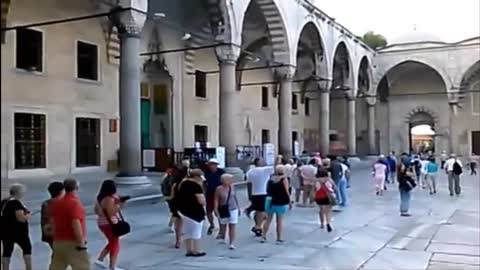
x=324 y=121
x=285 y=112
x=129 y=25
x=452 y=142
x=371 y=129
x=227 y=56
x=351 y=132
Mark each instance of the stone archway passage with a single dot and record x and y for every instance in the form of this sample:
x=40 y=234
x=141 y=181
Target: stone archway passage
x=424 y=141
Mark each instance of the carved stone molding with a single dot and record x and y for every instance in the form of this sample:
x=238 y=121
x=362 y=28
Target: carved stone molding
x=227 y=53
x=128 y=22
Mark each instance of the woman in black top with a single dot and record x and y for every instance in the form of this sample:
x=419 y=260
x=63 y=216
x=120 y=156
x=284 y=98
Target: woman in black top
x=15 y=227
x=406 y=183
x=190 y=200
x=278 y=202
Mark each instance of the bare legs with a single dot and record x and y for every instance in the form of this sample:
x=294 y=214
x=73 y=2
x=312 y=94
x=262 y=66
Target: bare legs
x=259 y=219
x=27 y=259
x=178 y=231
x=326 y=216
x=266 y=225
x=279 y=228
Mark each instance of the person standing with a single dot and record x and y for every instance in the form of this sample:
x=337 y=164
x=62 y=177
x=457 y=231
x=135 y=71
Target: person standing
x=432 y=170
x=227 y=208
x=379 y=172
x=107 y=208
x=325 y=198
x=454 y=169
x=257 y=179
x=336 y=173
x=423 y=171
x=342 y=185
x=15 y=218
x=349 y=172
x=69 y=230
x=213 y=176
x=191 y=203
x=56 y=191
x=278 y=202
x=406 y=183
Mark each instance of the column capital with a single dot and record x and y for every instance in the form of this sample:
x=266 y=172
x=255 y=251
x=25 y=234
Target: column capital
x=285 y=73
x=129 y=22
x=227 y=53
x=371 y=101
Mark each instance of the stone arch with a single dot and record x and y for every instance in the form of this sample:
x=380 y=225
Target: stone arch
x=438 y=69
x=344 y=61
x=320 y=40
x=364 y=76
x=422 y=116
x=470 y=76
x=276 y=28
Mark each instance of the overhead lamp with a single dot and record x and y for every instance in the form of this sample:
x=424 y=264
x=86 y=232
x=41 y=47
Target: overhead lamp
x=186 y=36
x=159 y=15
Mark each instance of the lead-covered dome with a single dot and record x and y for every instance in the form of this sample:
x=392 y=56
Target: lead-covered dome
x=414 y=37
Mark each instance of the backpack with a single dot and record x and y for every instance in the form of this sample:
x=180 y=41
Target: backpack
x=167 y=184
x=457 y=169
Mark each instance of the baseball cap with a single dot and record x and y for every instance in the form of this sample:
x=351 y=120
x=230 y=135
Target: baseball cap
x=213 y=160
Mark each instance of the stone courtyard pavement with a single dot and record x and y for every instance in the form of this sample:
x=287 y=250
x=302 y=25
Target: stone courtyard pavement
x=443 y=233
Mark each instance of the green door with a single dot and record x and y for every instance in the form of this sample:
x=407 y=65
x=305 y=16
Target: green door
x=145 y=122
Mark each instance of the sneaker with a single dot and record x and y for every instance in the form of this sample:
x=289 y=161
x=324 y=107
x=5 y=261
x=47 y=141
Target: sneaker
x=231 y=247
x=405 y=215
x=210 y=230
x=329 y=228
x=280 y=242
x=100 y=264
x=263 y=240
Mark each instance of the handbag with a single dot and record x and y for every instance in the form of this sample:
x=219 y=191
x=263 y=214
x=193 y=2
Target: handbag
x=224 y=210
x=120 y=228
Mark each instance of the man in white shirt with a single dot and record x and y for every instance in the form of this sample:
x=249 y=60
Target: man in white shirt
x=257 y=179
x=454 y=168
x=308 y=174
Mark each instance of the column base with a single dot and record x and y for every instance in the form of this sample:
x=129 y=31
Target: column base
x=132 y=180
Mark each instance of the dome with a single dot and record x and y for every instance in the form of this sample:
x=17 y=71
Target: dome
x=415 y=36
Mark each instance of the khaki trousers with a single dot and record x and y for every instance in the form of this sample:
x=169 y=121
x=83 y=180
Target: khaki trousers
x=65 y=254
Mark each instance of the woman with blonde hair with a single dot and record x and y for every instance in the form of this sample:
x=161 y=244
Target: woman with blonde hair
x=191 y=207
x=278 y=202
x=227 y=208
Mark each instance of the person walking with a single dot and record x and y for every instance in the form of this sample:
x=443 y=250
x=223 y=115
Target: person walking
x=307 y=173
x=473 y=166
x=443 y=159
x=15 y=230
x=454 y=169
x=257 y=179
x=406 y=183
x=379 y=172
x=325 y=198
x=424 y=171
x=278 y=202
x=107 y=208
x=69 y=230
x=56 y=191
x=170 y=186
x=342 y=185
x=336 y=173
x=213 y=176
x=432 y=170
x=297 y=181
x=227 y=208
x=191 y=203
x=392 y=167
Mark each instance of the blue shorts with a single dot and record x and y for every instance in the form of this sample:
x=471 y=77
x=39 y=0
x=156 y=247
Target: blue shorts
x=275 y=209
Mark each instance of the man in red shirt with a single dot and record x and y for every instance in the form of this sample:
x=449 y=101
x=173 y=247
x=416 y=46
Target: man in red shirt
x=69 y=230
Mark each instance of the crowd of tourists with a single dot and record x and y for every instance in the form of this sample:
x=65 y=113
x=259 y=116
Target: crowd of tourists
x=195 y=194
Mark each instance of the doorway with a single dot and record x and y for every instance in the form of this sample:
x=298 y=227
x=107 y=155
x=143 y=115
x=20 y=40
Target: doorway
x=87 y=142
x=422 y=133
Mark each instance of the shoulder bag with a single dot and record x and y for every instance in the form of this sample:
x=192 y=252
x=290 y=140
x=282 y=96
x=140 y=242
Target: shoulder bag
x=120 y=228
x=224 y=210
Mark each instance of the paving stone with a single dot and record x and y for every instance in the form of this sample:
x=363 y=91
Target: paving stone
x=454 y=249
x=450 y=266
x=408 y=243
x=337 y=258
x=457 y=234
x=461 y=259
x=398 y=260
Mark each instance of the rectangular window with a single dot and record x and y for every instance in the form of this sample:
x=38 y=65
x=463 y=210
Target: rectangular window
x=29 y=140
x=200 y=84
x=201 y=134
x=29 y=51
x=294 y=102
x=264 y=97
x=476 y=102
x=476 y=143
x=265 y=136
x=87 y=142
x=87 y=61
x=307 y=106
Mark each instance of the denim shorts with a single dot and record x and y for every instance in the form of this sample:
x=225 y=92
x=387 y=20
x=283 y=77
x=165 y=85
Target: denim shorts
x=279 y=210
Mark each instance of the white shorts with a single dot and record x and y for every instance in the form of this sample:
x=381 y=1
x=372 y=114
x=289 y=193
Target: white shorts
x=192 y=229
x=233 y=219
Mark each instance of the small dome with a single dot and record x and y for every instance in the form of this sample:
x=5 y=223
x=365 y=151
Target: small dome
x=415 y=36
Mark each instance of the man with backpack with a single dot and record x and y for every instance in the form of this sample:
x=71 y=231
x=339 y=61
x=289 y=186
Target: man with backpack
x=454 y=169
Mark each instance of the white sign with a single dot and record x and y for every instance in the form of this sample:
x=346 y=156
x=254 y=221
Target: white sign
x=220 y=156
x=269 y=153
x=148 y=158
